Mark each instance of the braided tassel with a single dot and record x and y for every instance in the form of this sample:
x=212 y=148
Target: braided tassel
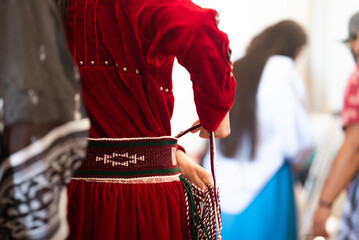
x=194 y=213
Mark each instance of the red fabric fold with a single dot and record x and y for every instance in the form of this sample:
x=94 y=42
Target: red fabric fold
x=118 y=211
x=190 y=33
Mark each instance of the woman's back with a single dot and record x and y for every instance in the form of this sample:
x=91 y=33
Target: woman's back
x=125 y=51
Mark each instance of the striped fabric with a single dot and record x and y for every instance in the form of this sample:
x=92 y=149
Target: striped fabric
x=33 y=183
x=349 y=226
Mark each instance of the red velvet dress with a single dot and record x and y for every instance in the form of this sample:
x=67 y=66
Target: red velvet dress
x=125 y=51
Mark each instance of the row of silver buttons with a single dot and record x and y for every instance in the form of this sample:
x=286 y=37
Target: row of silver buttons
x=124 y=69
x=165 y=90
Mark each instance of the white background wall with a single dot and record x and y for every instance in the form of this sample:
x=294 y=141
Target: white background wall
x=325 y=64
x=330 y=60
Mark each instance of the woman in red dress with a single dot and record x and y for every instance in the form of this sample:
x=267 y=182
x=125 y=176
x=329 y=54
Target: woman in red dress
x=128 y=187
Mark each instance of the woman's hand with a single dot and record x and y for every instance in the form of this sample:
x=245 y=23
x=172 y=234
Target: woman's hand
x=192 y=171
x=320 y=218
x=222 y=131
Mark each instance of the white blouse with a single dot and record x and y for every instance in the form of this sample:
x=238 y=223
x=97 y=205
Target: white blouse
x=283 y=133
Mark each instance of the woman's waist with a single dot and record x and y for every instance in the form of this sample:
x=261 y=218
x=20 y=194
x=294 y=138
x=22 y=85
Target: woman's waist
x=128 y=159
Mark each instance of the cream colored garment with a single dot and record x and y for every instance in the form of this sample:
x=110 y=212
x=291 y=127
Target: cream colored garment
x=284 y=133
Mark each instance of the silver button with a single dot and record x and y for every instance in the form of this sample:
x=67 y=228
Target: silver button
x=92 y=63
x=124 y=69
x=81 y=63
x=106 y=63
x=167 y=90
x=116 y=65
x=161 y=89
x=137 y=71
x=231 y=74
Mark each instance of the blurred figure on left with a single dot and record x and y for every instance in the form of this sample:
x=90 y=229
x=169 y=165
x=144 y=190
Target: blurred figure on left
x=43 y=125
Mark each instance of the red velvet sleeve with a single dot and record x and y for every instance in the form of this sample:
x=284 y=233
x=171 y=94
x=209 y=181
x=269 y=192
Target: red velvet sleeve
x=179 y=147
x=179 y=28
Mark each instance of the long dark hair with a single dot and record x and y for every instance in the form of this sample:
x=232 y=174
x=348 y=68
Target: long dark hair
x=284 y=38
x=62 y=8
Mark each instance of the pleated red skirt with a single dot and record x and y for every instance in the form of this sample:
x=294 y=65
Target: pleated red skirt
x=128 y=189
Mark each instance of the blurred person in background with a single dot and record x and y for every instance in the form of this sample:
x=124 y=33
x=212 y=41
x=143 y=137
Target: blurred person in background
x=270 y=133
x=345 y=166
x=43 y=124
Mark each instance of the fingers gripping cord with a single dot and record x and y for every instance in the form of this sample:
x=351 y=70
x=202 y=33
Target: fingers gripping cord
x=203 y=207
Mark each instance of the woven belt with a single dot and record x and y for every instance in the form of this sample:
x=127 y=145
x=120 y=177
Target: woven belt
x=130 y=160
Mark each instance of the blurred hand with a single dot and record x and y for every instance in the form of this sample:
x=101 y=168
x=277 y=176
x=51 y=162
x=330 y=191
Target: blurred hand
x=320 y=218
x=222 y=131
x=192 y=171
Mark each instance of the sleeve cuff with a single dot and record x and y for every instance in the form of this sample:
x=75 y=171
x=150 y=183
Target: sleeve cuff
x=179 y=147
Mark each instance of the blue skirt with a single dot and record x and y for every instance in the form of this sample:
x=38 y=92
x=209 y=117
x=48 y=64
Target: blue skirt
x=271 y=216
